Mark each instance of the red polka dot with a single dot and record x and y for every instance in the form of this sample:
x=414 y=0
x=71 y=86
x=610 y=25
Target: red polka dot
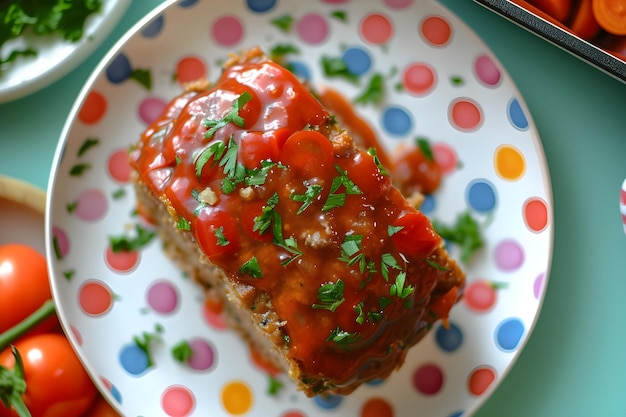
x=465 y=114
x=93 y=109
x=377 y=407
x=536 y=214
x=419 y=79
x=428 y=379
x=119 y=168
x=376 y=29
x=178 y=401
x=480 y=379
x=293 y=414
x=436 y=30
x=123 y=261
x=191 y=68
x=227 y=31
x=446 y=158
x=95 y=298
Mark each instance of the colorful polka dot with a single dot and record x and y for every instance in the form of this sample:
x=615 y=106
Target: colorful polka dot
x=312 y=28
x=535 y=211
x=377 y=407
x=162 y=297
x=203 y=356
x=91 y=205
x=509 y=163
x=133 y=359
x=93 y=109
x=509 y=334
x=419 y=79
x=376 y=29
x=481 y=195
x=486 y=71
x=77 y=335
x=480 y=379
x=538 y=285
x=436 y=30
x=465 y=114
x=191 y=68
x=118 y=166
x=236 y=397
x=480 y=295
x=227 y=31
x=261 y=6
x=449 y=339
x=154 y=28
x=122 y=262
x=357 y=60
x=428 y=379
x=151 y=108
x=178 y=401
x=328 y=401
x=399 y=4
x=292 y=413
x=508 y=255
x=119 y=69
x=446 y=157
x=61 y=242
x=397 y=121
x=516 y=114
x=95 y=298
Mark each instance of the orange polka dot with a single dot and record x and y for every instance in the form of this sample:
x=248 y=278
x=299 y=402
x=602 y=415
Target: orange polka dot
x=480 y=379
x=93 y=109
x=436 y=30
x=95 y=298
x=377 y=407
x=236 y=397
x=509 y=163
x=536 y=214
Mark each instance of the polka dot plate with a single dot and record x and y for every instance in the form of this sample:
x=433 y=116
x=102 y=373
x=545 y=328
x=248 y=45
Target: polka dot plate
x=127 y=313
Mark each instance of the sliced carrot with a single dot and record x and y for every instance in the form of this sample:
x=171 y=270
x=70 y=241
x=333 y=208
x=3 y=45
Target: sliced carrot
x=611 y=15
x=583 y=22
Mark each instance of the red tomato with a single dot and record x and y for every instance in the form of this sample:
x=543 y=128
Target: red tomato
x=249 y=212
x=414 y=172
x=309 y=153
x=216 y=232
x=558 y=9
x=101 y=408
x=367 y=176
x=416 y=237
x=255 y=147
x=441 y=307
x=56 y=382
x=583 y=22
x=610 y=15
x=24 y=285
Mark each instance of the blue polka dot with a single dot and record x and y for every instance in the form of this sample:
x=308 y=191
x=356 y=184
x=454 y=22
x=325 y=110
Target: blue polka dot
x=261 y=6
x=357 y=60
x=449 y=339
x=517 y=116
x=481 y=196
x=154 y=28
x=328 y=401
x=300 y=69
x=509 y=333
x=456 y=414
x=397 y=121
x=187 y=3
x=375 y=382
x=428 y=205
x=116 y=394
x=119 y=69
x=133 y=359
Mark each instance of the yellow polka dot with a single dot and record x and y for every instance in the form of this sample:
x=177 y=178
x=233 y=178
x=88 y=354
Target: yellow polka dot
x=236 y=397
x=509 y=163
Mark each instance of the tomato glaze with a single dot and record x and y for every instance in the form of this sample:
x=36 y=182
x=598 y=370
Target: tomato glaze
x=291 y=207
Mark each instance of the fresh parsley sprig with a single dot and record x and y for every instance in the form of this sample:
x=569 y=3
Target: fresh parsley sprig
x=330 y=295
x=231 y=117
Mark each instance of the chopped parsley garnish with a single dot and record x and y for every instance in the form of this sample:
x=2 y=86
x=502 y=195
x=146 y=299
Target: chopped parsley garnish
x=330 y=295
x=215 y=151
x=219 y=236
x=257 y=176
x=379 y=165
x=336 y=67
x=268 y=216
x=79 y=169
x=87 y=144
x=424 y=146
x=342 y=338
x=312 y=191
x=374 y=91
x=284 y=23
x=282 y=49
x=392 y=230
x=340 y=15
x=182 y=351
x=183 y=224
x=290 y=245
x=436 y=265
x=339 y=199
x=143 y=77
x=358 y=309
x=146 y=339
x=465 y=232
x=387 y=262
x=274 y=385
x=127 y=244
x=251 y=267
x=398 y=288
x=231 y=117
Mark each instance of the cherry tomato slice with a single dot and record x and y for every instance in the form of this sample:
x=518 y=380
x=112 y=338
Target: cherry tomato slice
x=611 y=15
x=413 y=172
x=415 y=236
x=250 y=212
x=255 y=147
x=367 y=176
x=308 y=152
x=57 y=385
x=216 y=232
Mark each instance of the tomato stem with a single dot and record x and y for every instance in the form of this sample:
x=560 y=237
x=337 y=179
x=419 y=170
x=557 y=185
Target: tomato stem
x=46 y=310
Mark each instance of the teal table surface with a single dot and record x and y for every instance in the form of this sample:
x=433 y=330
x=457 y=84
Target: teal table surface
x=574 y=364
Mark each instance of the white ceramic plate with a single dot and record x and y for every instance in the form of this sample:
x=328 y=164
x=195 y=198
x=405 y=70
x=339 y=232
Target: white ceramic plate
x=22 y=208
x=441 y=83
x=56 y=57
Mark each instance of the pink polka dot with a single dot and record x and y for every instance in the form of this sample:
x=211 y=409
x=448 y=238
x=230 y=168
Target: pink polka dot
x=376 y=29
x=77 y=336
x=91 y=205
x=312 y=28
x=335 y=1
x=538 y=285
x=419 y=79
x=445 y=156
x=398 y=4
x=178 y=401
x=465 y=114
x=162 y=297
x=436 y=30
x=487 y=71
x=191 y=68
x=428 y=379
x=93 y=109
x=151 y=108
x=121 y=262
x=119 y=168
x=509 y=255
x=227 y=31
x=60 y=241
x=203 y=355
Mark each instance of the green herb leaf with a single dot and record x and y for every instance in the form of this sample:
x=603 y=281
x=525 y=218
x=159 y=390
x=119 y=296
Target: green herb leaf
x=465 y=232
x=336 y=67
x=182 y=351
x=183 y=224
x=340 y=15
x=252 y=267
x=424 y=146
x=290 y=245
x=374 y=92
x=330 y=295
x=379 y=165
x=231 y=117
x=358 y=309
x=219 y=235
x=215 y=151
x=342 y=338
x=143 y=77
x=284 y=23
x=274 y=386
x=312 y=191
x=126 y=244
x=146 y=339
x=86 y=145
